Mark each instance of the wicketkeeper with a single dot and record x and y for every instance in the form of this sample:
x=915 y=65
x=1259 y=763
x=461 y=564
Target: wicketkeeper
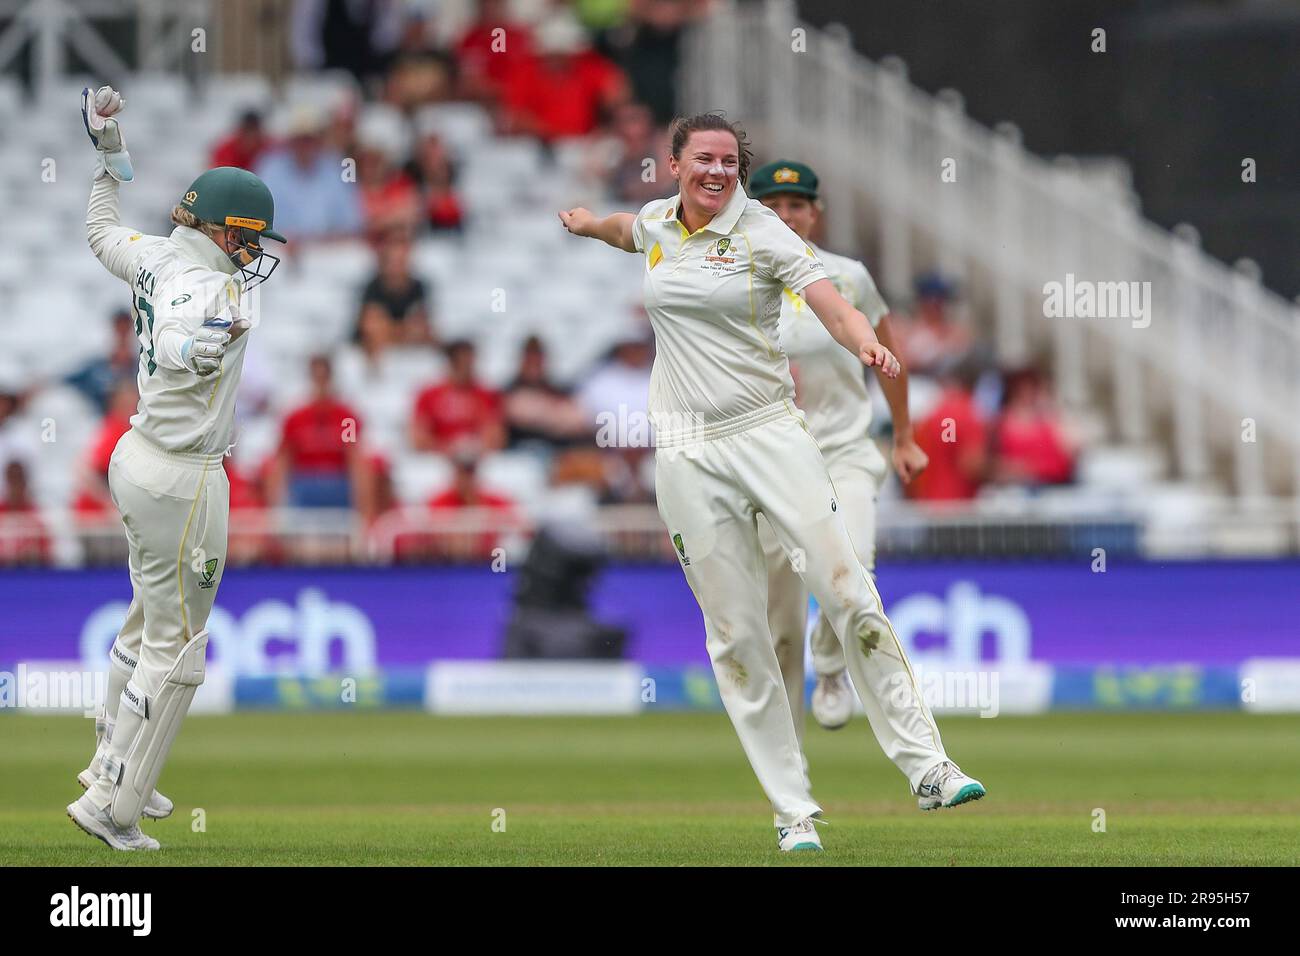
x=190 y=294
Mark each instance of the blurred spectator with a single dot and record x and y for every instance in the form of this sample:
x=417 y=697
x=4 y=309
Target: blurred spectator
x=459 y=413
x=648 y=50
x=491 y=46
x=955 y=437
x=352 y=35
x=98 y=379
x=931 y=342
x=614 y=475
x=252 y=538
x=621 y=385
x=434 y=172
x=16 y=443
x=339 y=127
x=537 y=411
x=419 y=72
x=395 y=296
x=23 y=538
x=312 y=200
x=1030 y=442
x=633 y=139
x=93 y=496
x=319 y=462
x=466 y=491
x=418 y=78
x=563 y=89
x=389 y=198
x=245 y=146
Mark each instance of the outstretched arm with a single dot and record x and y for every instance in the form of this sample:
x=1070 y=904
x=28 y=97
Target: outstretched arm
x=110 y=241
x=614 y=229
x=849 y=327
x=113 y=244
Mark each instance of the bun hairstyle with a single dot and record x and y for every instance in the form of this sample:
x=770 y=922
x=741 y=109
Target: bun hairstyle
x=683 y=126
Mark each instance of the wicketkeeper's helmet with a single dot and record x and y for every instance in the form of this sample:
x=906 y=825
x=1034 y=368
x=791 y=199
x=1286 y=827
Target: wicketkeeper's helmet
x=230 y=196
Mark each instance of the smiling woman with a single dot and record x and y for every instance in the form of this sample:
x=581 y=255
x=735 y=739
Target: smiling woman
x=718 y=156
x=731 y=444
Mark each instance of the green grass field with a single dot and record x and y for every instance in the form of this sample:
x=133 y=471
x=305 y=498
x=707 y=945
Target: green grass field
x=669 y=789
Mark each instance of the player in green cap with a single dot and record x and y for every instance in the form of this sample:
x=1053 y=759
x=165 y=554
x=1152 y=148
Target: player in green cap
x=832 y=391
x=194 y=298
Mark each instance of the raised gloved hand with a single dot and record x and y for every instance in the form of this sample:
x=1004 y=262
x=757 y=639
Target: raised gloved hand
x=203 y=350
x=97 y=110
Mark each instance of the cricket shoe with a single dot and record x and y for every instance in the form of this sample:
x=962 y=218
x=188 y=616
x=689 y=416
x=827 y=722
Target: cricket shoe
x=832 y=701
x=99 y=824
x=158 y=807
x=947 y=786
x=801 y=836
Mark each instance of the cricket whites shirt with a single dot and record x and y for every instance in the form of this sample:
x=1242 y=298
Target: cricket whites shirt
x=714 y=300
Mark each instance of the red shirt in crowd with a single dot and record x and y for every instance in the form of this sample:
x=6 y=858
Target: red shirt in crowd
x=451 y=498
x=563 y=102
x=30 y=542
x=1035 y=446
x=481 y=58
x=234 y=151
x=952 y=433
x=101 y=452
x=393 y=198
x=451 y=412
x=316 y=436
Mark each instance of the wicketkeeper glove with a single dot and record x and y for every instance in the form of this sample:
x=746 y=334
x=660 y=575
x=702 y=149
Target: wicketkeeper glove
x=96 y=111
x=203 y=350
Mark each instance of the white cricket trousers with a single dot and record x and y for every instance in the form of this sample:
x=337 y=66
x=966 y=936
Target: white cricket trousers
x=176 y=510
x=711 y=484
x=856 y=472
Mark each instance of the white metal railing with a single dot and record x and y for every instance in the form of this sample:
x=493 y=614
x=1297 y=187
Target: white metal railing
x=1219 y=349
x=992 y=527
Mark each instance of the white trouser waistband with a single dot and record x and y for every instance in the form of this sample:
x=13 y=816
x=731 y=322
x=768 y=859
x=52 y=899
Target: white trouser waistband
x=687 y=434
x=137 y=442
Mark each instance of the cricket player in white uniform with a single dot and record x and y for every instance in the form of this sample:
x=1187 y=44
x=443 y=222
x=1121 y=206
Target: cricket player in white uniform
x=190 y=293
x=731 y=444
x=832 y=391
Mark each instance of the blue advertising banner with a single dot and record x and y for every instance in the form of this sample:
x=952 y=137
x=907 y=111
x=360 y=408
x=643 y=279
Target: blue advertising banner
x=308 y=622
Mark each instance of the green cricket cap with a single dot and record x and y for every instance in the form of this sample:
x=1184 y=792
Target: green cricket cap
x=782 y=176
x=234 y=197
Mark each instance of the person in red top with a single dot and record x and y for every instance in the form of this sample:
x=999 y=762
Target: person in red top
x=245 y=146
x=319 y=463
x=955 y=437
x=490 y=48
x=563 y=90
x=1030 y=444
x=93 y=497
x=458 y=413
x=466 y=492
x=23 y=538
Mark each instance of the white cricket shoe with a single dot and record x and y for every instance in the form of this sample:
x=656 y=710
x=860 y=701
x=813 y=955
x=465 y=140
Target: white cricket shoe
x=158 y=807
x=99 y=824
x=832 y=701
x=947 y=786
x=801 y=836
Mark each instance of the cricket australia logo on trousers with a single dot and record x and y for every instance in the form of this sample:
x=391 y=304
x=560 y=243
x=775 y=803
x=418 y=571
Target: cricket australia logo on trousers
x=209 y=572
x=681 y=549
